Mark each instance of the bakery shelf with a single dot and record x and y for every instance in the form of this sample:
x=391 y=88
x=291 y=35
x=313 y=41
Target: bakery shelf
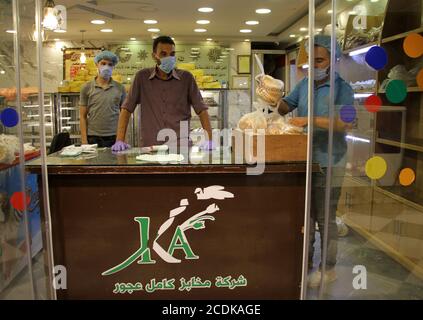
x=408 y=146
x=401 y=35
x=409 y=89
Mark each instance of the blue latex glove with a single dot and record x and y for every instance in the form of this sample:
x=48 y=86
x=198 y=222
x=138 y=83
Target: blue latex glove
x=120 y=146
x=207 y=145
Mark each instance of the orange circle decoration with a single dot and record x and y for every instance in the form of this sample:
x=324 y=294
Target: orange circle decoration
x=413 y=45
x=407 y=177
x=420 y=79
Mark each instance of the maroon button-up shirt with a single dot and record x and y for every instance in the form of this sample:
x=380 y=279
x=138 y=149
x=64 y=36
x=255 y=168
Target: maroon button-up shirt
x=164 y=103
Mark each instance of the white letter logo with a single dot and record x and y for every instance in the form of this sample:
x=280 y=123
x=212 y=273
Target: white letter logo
x=360 y=280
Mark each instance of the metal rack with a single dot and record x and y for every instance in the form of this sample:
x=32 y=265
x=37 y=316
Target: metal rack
x=68 y=114
x=31 y=119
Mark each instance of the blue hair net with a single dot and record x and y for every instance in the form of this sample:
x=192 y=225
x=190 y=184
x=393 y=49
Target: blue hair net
x=107 y=55
x=324 y=41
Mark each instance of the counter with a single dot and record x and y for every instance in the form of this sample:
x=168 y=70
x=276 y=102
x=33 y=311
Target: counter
x=133 y=230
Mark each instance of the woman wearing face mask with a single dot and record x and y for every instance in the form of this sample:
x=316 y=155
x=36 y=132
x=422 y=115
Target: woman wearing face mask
x=165 y=95
x=298 y=99
x=100 y=100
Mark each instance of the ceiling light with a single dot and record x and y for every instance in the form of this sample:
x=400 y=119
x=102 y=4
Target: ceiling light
x=292 y=35
x=263 y=11
x=319 y=29
x=206 y=10
x=374 y=0
x=106 y=30
x=173 y=38
x=11 y=31
x=59 y=31
x=247 y=40
x=98 y=21
x=50 y=20
x=330 y=11
x=150 y=21
x=303 y=29
x=203 y=21
x=132 y=39
x=55 y=39
x=230 y=49
x=153 y=30
x=209 y=39
x=352 y=13
x=200 y=30
x=252 y=23
x=2 y=72
x=245 y=30
x=83 y=58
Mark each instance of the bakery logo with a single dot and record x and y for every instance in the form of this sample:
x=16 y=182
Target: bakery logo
x=179 y=240
x=360 y=20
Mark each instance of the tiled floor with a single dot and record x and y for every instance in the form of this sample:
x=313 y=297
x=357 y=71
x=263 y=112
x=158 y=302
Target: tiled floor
x=386 y=279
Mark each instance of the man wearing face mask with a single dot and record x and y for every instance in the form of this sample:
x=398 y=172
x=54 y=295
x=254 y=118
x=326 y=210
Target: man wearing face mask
x=298 y=99
x=165 y=95
x=100 y=100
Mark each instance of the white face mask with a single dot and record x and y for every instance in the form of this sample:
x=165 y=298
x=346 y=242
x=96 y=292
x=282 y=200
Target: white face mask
x=320 y=74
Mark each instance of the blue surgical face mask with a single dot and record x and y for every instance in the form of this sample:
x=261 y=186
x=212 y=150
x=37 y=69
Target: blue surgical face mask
x=320 y=74
x=105 y=72
x=167 y=64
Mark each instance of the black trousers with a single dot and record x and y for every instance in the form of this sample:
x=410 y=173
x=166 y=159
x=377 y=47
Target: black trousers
x=102 y=142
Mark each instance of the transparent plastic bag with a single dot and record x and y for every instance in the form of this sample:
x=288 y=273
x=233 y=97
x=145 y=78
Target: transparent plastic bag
x=255 y=120
x=277 y=124
x=268 y=89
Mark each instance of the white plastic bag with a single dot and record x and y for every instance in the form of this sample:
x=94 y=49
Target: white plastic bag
x=254 y=120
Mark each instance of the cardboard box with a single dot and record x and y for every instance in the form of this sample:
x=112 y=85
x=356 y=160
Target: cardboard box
x=274 y=148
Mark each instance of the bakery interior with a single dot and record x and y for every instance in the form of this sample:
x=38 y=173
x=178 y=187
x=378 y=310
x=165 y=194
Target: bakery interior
x=233 y=49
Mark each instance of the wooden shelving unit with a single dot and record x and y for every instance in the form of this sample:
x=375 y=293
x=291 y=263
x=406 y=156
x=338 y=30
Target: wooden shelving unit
x=388 y=214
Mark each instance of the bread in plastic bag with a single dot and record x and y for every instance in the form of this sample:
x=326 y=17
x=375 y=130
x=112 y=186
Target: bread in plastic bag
x=269 y=89
x=277 y=124
x=254 y=121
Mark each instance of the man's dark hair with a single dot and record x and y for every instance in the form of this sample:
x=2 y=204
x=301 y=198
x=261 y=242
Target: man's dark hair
x=162 y=39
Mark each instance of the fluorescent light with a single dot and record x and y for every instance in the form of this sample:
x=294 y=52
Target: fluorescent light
x=132 y=39
x=150 y=21
x=59 y=31
x=360 y=51
x=247 y=40
x=303 y=29
x=362 y=95
x=263 y=11
x=11 y=31
x=153 y=30
x=305 y=66
x=206 y=9
x=106 y=30
x=245 y=30
x=203 y=21
x=98 y=21
x=354 y=138
x=252 y=23
x=200 y=30
x=292 y=35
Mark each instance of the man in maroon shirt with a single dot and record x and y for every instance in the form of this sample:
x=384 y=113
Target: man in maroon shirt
x=166 y=96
